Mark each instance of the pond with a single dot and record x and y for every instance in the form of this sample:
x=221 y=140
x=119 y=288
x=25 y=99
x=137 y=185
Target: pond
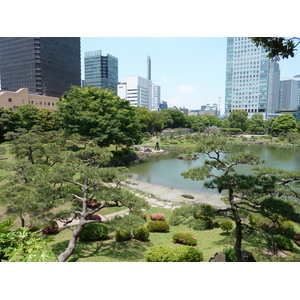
x=166 y=169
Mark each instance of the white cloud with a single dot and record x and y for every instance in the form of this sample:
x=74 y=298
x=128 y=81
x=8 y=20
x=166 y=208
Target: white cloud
x=185 y=88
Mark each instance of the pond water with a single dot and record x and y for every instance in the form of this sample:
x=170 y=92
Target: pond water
x=166 y=169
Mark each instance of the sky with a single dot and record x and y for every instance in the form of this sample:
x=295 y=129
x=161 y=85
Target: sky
x=190 y=70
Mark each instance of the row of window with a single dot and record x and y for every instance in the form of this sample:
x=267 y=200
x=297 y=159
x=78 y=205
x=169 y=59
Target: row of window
x=34 y=102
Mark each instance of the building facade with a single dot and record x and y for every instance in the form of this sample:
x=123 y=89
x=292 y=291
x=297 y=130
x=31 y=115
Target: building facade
x=137 y=90
x=101 y=71
x=289 y=94
x=13 y=100
x=155 y=97
x=252 y=80
x=45 y=65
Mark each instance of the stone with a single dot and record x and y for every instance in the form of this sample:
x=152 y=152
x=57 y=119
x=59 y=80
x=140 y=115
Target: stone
x=189 y=196
x=247 y=256
x=219 y=257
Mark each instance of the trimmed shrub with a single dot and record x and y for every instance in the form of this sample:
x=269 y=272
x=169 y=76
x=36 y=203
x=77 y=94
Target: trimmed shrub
x=158 y=217
x=185 y=239
x=122 y=235
x=162 y=253
x=158 y=226
x=141 y=233
x=127 y=222
x=95 y=217
x=226 y=225
x=51 y=228
x=198 y=224
x=94 y=232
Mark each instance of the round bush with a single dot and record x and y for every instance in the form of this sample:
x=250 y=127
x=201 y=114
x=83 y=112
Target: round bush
x=96 y=217
x=162 y=253
x=51 y=228
x=122 y=235
x=226 y=225
x=94 y=232
x=158 y=226
x=141 y=233
x=185 y=239
x=198 y=224
x=158 y=217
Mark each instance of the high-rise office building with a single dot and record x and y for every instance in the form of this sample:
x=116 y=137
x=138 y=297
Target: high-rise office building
x=45 y=65
x=101 y=71
x=252 y=80
x=289 y=95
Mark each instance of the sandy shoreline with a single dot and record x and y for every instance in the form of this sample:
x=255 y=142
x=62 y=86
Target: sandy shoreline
x=173 y=195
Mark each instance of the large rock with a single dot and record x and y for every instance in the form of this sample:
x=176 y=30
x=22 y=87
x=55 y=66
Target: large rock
x=219 y=257
x=247 y=256
x=189 y=196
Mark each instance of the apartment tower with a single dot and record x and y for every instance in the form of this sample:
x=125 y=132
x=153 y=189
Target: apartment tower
x=44 y=65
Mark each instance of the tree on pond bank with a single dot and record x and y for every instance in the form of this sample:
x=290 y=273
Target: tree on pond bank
x=245 y=193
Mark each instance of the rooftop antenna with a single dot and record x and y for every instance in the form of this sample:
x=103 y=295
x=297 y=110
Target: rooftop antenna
x=148 y=68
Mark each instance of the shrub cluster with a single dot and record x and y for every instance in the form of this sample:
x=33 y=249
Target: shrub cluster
x=162 y=253
x=122 y=235
x=141 y=234
x=51 y=228
x=185 y=239
x=158 y=217
x=158 y=226
x=94 y=232
x=230 y=255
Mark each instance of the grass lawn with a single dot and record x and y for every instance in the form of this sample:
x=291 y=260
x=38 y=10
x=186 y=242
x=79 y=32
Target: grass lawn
x=209 y=242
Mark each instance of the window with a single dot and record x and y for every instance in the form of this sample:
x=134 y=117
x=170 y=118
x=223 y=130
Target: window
x=9 y=99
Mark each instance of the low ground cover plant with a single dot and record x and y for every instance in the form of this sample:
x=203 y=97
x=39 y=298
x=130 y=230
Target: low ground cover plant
x=185 y=239
x=51 y=228
x=160 y=253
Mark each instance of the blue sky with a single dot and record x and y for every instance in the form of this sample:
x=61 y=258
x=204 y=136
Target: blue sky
x=190 y=70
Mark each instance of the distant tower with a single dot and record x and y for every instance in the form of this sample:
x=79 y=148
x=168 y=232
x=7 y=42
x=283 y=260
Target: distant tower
x=149 y=68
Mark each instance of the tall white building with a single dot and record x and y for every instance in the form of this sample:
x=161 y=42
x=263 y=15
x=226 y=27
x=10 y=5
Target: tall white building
x=252 y=80
x=137 y=90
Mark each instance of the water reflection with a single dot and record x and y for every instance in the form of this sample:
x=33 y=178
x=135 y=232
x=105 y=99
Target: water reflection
x=166 y=169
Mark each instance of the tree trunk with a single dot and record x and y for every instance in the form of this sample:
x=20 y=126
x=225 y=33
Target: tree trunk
x=22 y=222
x=238 y=227
x=72 y=243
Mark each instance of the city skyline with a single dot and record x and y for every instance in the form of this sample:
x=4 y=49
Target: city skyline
x=190 y=70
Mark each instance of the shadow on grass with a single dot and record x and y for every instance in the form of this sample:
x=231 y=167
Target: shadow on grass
x=128 y=251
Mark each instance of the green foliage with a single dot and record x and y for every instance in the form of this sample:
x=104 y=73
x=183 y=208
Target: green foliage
x=158 y=226
x=51 y=228
x=230 y=255
x=238 y=119
x=283 y=242
x=94 y=232
x=256 y=124
x=100 y=115
x=122 y=235
x=226 y=225
x=283 y=124
x=141 y=234
x=22 y=245
x=277 y=47
x=127 y=222
x=185 y=239
x=162 y=253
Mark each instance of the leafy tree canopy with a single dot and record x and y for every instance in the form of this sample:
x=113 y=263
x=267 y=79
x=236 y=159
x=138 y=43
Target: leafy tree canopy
x=278 y=47
x=100 y=115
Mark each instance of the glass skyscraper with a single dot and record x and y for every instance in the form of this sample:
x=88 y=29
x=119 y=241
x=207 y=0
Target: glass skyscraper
x=252 y=80
x=44 y=65
x=101 y=71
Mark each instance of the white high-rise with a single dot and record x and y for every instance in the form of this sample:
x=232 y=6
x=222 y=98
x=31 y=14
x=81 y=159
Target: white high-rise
x=137 y=90
x=252 y=80
x=289 y=96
